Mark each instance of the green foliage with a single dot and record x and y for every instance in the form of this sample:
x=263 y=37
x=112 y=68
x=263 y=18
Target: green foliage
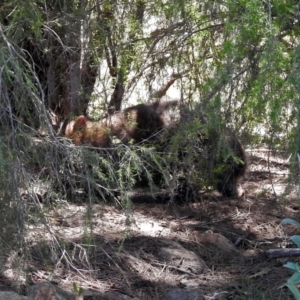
x=12 y=217
x=295 y=278
x=77 y=290
x=237 y=60
x=238 y=54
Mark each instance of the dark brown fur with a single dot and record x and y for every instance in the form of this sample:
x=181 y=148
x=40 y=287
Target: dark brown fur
x=223 y=149
x=143 y=122
x=234 y=163
x=137 y=123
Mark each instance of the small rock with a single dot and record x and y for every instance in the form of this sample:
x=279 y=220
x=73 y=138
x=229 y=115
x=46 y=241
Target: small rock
x=177 y=256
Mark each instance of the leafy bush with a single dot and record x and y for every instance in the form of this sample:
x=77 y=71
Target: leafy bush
x=295 y=278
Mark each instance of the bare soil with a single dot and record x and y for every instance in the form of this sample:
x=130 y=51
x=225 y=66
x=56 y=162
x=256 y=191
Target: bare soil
x=216 y=245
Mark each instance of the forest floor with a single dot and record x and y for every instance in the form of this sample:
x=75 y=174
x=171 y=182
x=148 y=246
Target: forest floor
x=216 y=246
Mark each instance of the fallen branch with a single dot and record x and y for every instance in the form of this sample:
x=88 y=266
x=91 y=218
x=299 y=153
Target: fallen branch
x=276 y=253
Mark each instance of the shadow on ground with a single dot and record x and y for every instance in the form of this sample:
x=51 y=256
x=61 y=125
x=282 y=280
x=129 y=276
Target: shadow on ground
x=215 y=245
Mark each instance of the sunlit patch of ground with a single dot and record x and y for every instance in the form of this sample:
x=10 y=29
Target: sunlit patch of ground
x=229 y=238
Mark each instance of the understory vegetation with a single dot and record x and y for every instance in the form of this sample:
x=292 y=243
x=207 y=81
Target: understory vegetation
x=234 y=66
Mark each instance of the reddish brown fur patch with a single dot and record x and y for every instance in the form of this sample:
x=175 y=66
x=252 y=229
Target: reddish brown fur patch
x=137 y=123
x=84 y=132
x=80 y=121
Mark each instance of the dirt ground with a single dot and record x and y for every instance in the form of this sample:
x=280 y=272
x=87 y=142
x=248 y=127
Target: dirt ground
x=215 y=245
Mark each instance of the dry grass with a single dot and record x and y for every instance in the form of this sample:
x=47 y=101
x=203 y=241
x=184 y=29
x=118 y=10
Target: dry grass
x=123 y=253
